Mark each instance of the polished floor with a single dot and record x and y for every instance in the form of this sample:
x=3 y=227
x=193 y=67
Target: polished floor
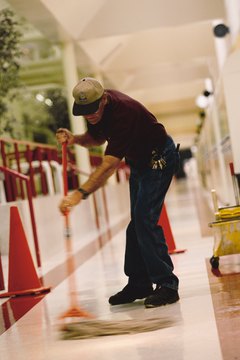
x=203 y=325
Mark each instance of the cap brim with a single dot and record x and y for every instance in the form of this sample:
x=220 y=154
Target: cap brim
x=85 y=109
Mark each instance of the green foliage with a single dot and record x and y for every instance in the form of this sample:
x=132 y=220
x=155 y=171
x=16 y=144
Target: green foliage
x=21 y=115
x=58 y=111
x=9 y=68
x=41 y=119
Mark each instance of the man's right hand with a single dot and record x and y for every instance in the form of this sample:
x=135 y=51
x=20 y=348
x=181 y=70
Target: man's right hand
x=64 y=135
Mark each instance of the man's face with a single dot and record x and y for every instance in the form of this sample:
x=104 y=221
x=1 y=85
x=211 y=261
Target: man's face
x=96 y=117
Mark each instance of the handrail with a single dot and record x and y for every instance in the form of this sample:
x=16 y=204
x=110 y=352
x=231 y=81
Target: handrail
x=25 y=178
x=28 y=153
x=30 y=143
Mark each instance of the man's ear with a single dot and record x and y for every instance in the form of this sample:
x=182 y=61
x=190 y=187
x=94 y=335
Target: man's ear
x=105 y=98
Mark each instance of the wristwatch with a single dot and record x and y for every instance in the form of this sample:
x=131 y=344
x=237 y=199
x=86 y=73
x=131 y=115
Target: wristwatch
x=84 y=192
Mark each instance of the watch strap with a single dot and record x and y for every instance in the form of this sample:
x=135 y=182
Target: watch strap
x=84 y=192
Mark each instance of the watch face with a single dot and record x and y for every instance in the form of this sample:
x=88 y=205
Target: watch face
x=220 y=30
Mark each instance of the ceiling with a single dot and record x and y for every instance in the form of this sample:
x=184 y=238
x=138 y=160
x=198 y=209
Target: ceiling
x=159 y=52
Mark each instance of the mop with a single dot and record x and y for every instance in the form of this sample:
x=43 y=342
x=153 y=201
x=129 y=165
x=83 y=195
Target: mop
x=74 y=311
x=95 y=328
x=92 y=327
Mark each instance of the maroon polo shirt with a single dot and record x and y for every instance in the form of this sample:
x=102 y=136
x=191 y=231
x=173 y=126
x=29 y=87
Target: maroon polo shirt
x=129 y=128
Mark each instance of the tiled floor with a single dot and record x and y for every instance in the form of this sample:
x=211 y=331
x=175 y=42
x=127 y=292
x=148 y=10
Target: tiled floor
x=204 y=324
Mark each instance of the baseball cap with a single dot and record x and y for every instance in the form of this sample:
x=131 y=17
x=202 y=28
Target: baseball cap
x=87 y=96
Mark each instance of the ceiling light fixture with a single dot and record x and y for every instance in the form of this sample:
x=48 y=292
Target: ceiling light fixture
x=221 y=30
x=202 y=100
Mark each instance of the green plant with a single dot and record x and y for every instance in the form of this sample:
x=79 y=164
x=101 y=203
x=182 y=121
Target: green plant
x=10 y=52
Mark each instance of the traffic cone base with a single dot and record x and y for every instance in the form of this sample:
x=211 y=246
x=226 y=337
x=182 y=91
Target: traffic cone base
x=26 y=292
x=22 y=277
x=176 y=251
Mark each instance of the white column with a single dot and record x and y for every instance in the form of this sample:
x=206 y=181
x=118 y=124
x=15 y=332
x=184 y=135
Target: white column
x=77 y=123
x=233 y=15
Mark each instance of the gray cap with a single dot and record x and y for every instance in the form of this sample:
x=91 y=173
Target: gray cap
x=87 y=95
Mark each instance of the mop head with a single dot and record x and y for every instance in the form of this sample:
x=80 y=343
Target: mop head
x=94 y=328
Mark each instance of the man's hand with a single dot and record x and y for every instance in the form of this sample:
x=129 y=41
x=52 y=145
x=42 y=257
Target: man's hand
x=64 y=135
x=69 y=201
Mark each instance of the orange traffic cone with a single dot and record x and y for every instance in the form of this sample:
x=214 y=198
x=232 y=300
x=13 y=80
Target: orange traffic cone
x=164 y=222
x=22 y=276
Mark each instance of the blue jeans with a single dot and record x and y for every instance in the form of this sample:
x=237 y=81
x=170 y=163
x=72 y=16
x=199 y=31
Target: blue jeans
x=146 y=254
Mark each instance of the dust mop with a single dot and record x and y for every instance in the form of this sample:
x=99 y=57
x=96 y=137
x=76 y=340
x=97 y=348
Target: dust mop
x=95 y=328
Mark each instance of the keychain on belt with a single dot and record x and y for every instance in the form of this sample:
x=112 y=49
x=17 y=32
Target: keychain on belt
x=157 y=162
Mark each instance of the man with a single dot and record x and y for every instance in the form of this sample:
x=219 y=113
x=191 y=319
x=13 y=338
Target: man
x=133 y=133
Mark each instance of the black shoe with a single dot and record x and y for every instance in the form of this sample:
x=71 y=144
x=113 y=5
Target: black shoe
x=161 y=296
x=130 y=293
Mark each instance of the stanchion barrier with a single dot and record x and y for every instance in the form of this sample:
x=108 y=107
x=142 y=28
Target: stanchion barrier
x=2 y=286
x=14 y=153
x=164 y=222
x=22 y=276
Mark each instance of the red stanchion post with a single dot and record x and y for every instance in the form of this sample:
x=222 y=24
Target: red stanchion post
x=7 y=181
x=31 y=171
x=2 y=286
x=17 y=156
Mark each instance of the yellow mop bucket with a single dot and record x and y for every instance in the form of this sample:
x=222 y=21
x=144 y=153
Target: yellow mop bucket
x=229 y=212
x=226 y=237
x=227 y=225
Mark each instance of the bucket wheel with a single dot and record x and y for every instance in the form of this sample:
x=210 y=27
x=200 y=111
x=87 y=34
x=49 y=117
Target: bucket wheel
x=214 y=261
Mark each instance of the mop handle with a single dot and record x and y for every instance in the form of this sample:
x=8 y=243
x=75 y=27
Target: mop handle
x=65 y=186
x=64 y=165
x=215 y=202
